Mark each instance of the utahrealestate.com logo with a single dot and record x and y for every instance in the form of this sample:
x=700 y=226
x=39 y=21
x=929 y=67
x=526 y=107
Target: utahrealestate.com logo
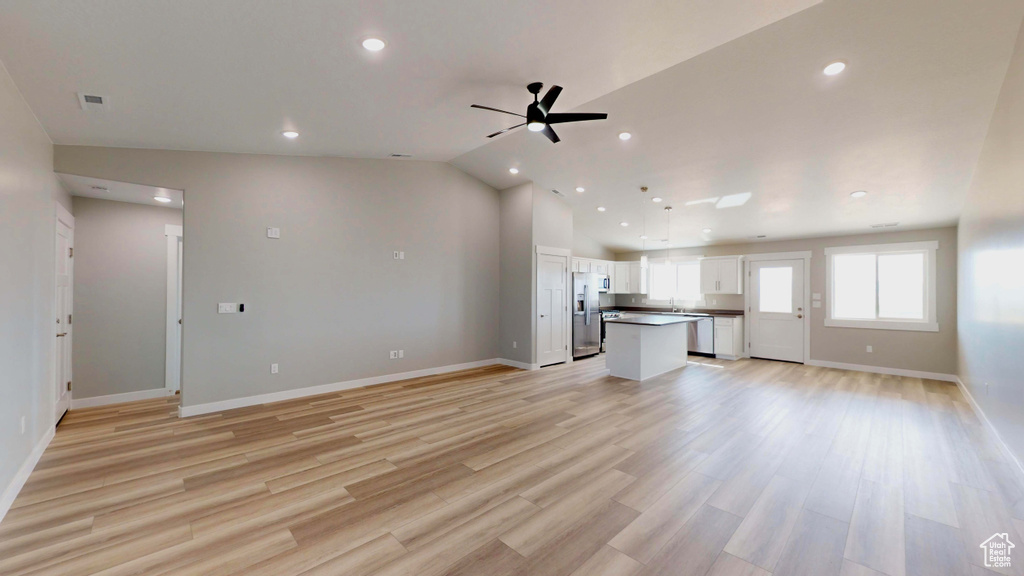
x=997 y=550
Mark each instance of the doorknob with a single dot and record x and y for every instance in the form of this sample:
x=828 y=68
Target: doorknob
x=799 y=315
x=541 y=315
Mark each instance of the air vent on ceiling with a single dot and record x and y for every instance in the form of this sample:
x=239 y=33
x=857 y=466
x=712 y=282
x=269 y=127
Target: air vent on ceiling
x=758 y=237
x=557 y=193
x=100 y=188
x=92 y=102
x=886 y=225
x=400 y=156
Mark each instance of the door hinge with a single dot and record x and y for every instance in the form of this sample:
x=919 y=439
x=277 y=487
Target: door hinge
x=69 y=385
x=69 y=319
x=71 y=252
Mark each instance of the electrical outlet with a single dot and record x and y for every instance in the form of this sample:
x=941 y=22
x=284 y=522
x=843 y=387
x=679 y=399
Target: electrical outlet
x=514 y=344
x=632 y=300
x=394 y=354
x=395 y=254
x=713 y=302
x=870 y=349
x=401 y=353
x=227 y=308
x=273 y=232
x=273 y=368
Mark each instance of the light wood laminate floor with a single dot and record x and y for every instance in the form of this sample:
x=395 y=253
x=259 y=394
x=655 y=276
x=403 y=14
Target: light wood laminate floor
x=722 y=468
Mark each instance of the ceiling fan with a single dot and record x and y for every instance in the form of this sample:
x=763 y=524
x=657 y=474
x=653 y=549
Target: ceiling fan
x=539 y=117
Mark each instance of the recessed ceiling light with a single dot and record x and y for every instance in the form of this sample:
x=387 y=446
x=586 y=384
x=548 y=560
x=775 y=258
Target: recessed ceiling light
x=625 y=136
x=290 y=134
x=374 y=44
x=656 y=199
x=600 y=208
x=644 y=237
x=706 y=230
x=835 y=68
x=858 y=194
x=163 y=199
x=623 y=224
x=513 y=170
x=581 y=189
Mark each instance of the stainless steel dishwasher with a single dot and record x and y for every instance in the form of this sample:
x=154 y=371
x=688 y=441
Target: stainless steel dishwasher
x=701 y=336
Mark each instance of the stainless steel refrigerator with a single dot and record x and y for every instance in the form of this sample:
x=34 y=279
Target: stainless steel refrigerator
x=586 y=315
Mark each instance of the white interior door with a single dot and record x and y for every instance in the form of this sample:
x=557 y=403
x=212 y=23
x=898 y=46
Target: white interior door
x=65 y=242
x=172 y=368
x=552 y=302
x=776 y=310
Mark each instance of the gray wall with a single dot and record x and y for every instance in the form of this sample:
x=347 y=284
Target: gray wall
x=584 y=246
x=326 y=301
x=120 y=296
x=924 y=351
x=28 y=194
x=991 y=284
x=516 y=272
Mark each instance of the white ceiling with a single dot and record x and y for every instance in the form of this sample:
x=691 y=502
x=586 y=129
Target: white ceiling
x=231 y=75
x=121 y=191
x=905 y=122
x=723 y=97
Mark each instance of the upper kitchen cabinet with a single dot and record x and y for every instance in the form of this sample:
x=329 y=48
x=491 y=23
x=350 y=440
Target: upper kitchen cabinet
x=721 y=275
x=629 y=278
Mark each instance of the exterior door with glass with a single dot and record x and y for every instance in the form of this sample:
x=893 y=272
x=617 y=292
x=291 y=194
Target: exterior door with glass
x=776 y=310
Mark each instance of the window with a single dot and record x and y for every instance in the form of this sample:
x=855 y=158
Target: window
x=775 y=287
x=676 y=281
x=889 y=286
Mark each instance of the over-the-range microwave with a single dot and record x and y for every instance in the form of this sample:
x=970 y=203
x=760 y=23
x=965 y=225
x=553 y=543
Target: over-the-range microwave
x=604 y=284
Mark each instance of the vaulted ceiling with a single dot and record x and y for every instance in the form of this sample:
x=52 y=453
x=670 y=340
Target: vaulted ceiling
x=724 y=99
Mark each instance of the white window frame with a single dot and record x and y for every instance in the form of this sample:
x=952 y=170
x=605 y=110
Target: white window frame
x=930 y=322
x=671 y=260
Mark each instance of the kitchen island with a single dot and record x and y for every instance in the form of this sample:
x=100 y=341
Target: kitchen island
x=643 y=346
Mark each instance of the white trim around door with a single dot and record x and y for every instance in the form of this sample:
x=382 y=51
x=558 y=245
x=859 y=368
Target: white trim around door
x=804 y=255
x=567 y=330
x=172 y=362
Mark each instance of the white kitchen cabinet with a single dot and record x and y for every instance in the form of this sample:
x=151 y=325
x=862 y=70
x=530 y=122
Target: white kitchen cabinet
x=620 y=278
x=721 y=275
x=599 y=267
x=728 y=337
x=637 y=278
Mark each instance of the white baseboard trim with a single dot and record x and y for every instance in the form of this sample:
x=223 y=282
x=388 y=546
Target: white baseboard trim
x=12 y=489
x=883 y=370
x=988 y=424
x=187 y=411
x=520 y=365
x=77 y=403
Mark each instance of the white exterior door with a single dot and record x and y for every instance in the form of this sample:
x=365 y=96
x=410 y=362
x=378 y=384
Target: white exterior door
x=552 y=301
x=776 y=310
x=65 y=242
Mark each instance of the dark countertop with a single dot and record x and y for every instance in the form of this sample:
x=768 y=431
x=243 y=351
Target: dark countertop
x=666 y=310
x=653 y=319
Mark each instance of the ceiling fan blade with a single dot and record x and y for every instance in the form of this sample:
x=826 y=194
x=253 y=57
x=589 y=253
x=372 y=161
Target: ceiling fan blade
x=573 y=117
x=549 y=99
x=495 y=110
x=547 y=131
x=506 y=130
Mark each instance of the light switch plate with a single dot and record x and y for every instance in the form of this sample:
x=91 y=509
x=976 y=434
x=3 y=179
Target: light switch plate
x=273 y=232
x=816 y=304
x=227 y=308
x=816 y=296
x=401 y=353
x=273 y=368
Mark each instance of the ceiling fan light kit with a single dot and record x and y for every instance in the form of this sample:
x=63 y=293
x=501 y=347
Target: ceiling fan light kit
x=539 y=117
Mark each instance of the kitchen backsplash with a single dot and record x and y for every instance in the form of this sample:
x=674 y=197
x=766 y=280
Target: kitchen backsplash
x=712 y=301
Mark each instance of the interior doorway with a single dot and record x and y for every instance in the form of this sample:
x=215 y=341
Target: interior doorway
x=63 y=304
x=778 y=323
x=172 y=371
